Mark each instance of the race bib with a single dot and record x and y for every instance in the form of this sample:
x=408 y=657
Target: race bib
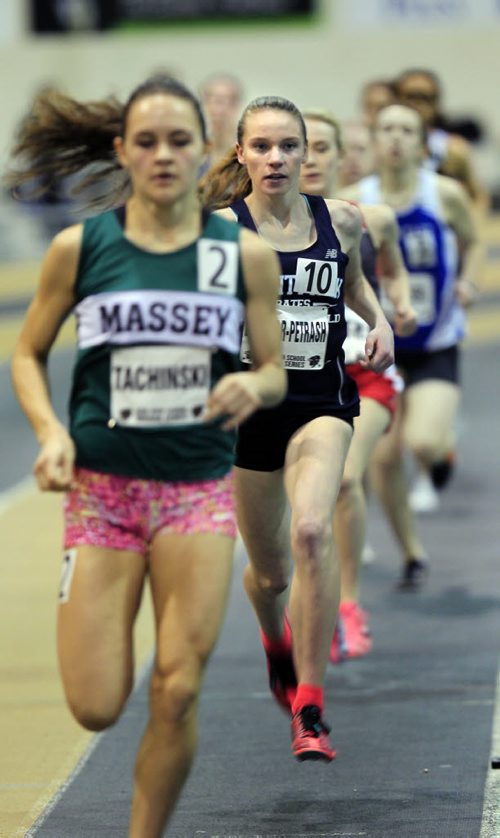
x=217 y=266
x=421 y=296
x=318 y=278
x=159 y=385
x=357 y=331
x=304 y=337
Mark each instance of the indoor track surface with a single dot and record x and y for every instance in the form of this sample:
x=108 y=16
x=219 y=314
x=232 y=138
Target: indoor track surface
x=415 y=723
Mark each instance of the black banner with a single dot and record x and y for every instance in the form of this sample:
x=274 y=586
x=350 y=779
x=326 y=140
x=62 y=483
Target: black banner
x=49 y=16
x=91 y=15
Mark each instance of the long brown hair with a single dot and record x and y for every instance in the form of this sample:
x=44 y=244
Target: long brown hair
x=227 y=181
x=61 y=137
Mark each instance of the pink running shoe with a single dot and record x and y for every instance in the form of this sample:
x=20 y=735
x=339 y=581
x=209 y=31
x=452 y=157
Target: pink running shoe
x=310 y=736
x=338 y=650
x=357 y=635
x=281 y=672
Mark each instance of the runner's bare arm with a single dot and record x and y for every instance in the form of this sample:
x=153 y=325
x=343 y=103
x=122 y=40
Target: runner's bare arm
x=50 y=306
x=358 y=293
x=459 y=215
x=240 y=394
x=391 y=270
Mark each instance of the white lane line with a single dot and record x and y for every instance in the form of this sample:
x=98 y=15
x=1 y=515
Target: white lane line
x=490 y=824
x=47 y=803
x=19 y=491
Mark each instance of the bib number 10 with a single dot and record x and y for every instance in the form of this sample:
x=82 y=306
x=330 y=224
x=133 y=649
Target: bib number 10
x=317 y=278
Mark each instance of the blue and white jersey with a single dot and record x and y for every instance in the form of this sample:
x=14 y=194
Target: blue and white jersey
x=430 y=252
x=438 y=141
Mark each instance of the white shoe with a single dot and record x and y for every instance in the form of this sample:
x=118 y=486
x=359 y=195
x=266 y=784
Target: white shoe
x=368 y=555
x=423 y=498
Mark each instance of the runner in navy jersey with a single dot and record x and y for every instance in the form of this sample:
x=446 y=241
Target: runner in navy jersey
x=442 y=256
x=382 y=265
x=160 y=289
x=297 y=453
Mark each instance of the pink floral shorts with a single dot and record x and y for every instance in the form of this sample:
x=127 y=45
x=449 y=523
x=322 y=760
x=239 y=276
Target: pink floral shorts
x=125 y=513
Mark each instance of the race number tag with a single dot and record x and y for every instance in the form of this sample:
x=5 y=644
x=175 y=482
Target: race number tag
x=304 y=336
x=357 y=332
x=422 y=297
x=317 y=277
x=67 y=571
x=159 y=385
x=217 y=266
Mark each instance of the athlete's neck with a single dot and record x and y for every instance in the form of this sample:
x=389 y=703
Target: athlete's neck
x=398 y=186
x=279 y=210
x=162 y=228
x=284 y=221
x=329 y=190
x=332 y=188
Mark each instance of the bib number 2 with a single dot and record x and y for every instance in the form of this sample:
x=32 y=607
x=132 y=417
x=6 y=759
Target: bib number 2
x=217 y=266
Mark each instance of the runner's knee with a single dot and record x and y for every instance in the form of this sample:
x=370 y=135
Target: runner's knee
x=309 y=534
x=174 y=690
x=387 y=461
x=94 y=714
x=272 y=582
x=425 y=450
x=350 y=487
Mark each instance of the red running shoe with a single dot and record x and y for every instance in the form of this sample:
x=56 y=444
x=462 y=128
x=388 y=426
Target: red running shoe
x=282 y=676
x=338 y=650
x=310 y=736
x=357 y=635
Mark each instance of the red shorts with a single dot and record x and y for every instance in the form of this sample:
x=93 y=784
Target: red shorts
x=381 y=387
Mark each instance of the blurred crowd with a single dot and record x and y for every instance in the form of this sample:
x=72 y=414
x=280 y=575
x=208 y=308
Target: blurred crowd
x=459 y=146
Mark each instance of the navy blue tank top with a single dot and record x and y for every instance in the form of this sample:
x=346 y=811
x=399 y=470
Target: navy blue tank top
x=357 y=328
x=311 y=312
x=369 y=260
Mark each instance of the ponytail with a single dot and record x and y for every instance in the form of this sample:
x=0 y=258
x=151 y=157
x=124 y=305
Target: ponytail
x=61 y=137
x=227 y=181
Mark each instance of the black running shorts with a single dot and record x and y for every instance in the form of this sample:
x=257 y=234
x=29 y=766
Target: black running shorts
x=442 y=364
x=264 y=437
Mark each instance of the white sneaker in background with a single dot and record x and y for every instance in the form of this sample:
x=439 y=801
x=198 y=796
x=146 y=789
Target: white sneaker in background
x=368 y=555
x=423 y=497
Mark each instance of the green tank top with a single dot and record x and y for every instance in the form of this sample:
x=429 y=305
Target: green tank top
x=155 y=333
